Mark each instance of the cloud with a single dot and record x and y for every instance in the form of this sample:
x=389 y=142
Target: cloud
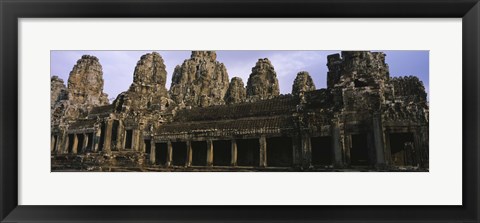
x=291 y=62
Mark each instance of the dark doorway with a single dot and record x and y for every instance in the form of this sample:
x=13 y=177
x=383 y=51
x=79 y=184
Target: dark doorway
x=115 y=125
x=322 y=151
x=89 y=142
x=147 y=144
x=402 y=148
x=359 y=150
x=199 y=153
x=161 y=153
x=71 y=138
x=128 y=139
x=102 y=137
x=80 y=143
x=222 y=153
x=179 y=150
x=55 y=142
x=248 y=152
x=279 y=151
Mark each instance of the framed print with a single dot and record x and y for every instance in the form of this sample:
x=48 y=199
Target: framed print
x=239 y=111
x=277 y=122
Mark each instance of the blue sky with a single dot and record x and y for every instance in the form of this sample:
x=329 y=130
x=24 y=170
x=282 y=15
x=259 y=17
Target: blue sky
x=118 y=66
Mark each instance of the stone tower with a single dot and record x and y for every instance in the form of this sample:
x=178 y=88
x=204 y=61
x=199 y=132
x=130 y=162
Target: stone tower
x=200 y=81
x=84 y=91
x=303 y=83
x=359 y=80
x=85 y=83
x=262 y=83
x=236 y=91
x=58 y=91
x=148 y=88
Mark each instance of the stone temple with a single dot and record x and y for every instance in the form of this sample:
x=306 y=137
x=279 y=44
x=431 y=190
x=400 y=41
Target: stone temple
x=364 y=120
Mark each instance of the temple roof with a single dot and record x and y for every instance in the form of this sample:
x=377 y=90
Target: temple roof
x=256 y=125
x=282 y=105
x=272 y=115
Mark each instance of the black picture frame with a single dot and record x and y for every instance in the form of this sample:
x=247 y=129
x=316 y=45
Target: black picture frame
x=12 y=10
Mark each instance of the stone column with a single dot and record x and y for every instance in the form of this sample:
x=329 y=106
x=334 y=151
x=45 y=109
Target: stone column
x=85 y=142
x=388 y=150
x=64 y=144
x=169 y=153
x=75 y=144
x=67 y=141
x=297 y=149
x=120 y=136
x=378 y=140
x=417 y=146
x=59 y=143
x=189 y=153
x=56 y=144
x=263 y=151
x=347 y=145
x=423 y=151
x=152 y=152
x=209 y=153
x=52 y=143
x=108 y=136
x=137 y=139
x=306 y=150
x=96 y=139
x=234 y=153
x=337 y=143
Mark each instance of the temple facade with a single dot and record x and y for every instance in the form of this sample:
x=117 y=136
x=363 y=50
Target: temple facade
x=364 y=120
